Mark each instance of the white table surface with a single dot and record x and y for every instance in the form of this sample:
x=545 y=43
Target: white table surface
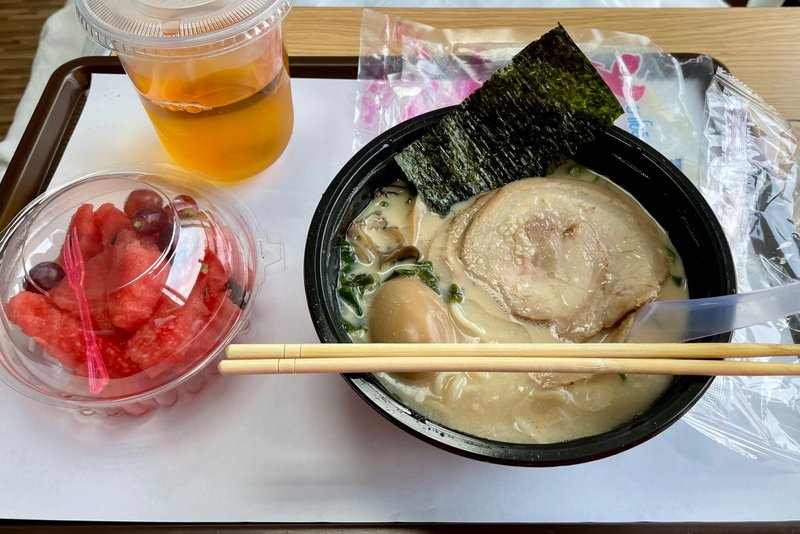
x=306 y=448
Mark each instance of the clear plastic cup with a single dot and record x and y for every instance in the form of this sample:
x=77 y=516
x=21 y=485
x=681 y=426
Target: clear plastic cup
x=165 y=293
x=212 y=75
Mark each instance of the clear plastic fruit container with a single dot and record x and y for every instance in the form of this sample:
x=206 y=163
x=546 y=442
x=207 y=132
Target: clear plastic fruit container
x=170 y=269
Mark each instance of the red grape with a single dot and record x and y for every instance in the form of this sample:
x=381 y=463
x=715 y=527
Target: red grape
x=237 y=293
x=150 y=219
x=184 y=201
x=186 y=206
x=165 y=237
x=187 y=213
x=44 y=275
x=141 y=198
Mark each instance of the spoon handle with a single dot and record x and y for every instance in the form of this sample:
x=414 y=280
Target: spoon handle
x=683 y=320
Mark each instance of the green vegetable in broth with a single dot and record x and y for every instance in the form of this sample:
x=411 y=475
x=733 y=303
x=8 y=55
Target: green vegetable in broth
x=671 y=254
x=456 y=293
x=528 y=118
x=347 y=256
x=352 y=289
x=422 y=270
x=349 y=327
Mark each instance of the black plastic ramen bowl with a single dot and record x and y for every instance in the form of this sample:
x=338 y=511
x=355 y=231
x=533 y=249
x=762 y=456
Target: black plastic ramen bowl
x=652 y=179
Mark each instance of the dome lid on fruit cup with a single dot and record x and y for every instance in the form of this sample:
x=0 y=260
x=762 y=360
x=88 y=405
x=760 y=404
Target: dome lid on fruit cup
x=170 y=270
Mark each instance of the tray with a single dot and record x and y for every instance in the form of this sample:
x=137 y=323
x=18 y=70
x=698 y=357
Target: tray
x=29 y=173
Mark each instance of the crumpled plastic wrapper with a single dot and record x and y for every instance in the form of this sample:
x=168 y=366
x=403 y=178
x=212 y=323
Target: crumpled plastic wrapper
x=749 y=178
x=732 y=145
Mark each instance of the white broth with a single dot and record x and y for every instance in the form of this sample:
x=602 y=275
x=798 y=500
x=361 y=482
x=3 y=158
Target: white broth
x=494 y=270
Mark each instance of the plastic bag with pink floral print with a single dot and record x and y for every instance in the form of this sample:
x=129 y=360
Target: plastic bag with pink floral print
x=407 y=68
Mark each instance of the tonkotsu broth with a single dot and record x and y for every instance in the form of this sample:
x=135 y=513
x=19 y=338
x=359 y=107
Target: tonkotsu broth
x=511 y=407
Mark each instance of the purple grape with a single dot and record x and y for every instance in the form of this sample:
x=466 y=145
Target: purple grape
x=141 y=198
x=164 y=237
x=150 y=219
x=44 y=275
x=184 y=201
x=187 y=213
x=237 y=293
x=186 y=206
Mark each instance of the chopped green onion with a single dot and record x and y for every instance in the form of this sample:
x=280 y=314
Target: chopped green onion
x=350 y=327
x=456 y=294
x=671 y=254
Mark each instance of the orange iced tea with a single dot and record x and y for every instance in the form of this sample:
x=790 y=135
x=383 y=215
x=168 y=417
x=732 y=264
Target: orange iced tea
x=228 y=114
x=229 y=139
x=212 y=75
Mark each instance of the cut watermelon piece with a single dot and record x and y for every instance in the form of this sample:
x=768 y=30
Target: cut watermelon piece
x=61 y=336
x=63 y=296
x=168 y=334
x=216 y=281
x=111 y=221
x=57 y=333
x=89 y=239
x=117 y=363
x=186 y=334
x=218 y=327
x=139 y=280
x=165 y=306
x=235 y=266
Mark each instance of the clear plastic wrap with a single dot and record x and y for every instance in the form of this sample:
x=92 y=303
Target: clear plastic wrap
x=737 y=149
x=750 y=180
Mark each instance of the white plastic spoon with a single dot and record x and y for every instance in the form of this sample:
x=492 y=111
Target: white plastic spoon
x=682 y=320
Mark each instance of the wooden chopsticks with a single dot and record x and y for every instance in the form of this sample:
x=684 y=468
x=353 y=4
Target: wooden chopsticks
x=635 y=358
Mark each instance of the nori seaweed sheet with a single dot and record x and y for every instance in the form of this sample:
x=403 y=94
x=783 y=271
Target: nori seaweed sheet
x=529 y=118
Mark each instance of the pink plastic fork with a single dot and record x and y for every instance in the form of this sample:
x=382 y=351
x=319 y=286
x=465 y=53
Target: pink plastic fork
x=97 y=374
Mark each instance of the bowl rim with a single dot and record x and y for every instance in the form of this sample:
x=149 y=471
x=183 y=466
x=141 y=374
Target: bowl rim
x=570 y=452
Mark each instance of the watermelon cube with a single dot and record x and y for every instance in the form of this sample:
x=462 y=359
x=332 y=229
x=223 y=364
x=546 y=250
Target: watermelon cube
x=219 y=325
x=215 y=280
x=187 y=333
x=96 y=269
x=56 y=332
x=117 y=363
x=110 y=222
x=137 y=280
x=89 y=239
x=61 y=336
x=168 y=334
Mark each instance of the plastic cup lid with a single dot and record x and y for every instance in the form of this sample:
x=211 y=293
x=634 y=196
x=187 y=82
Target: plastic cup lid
x=162 y=28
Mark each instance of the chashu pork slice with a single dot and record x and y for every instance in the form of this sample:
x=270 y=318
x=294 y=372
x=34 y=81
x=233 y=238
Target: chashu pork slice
x=576 y=255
